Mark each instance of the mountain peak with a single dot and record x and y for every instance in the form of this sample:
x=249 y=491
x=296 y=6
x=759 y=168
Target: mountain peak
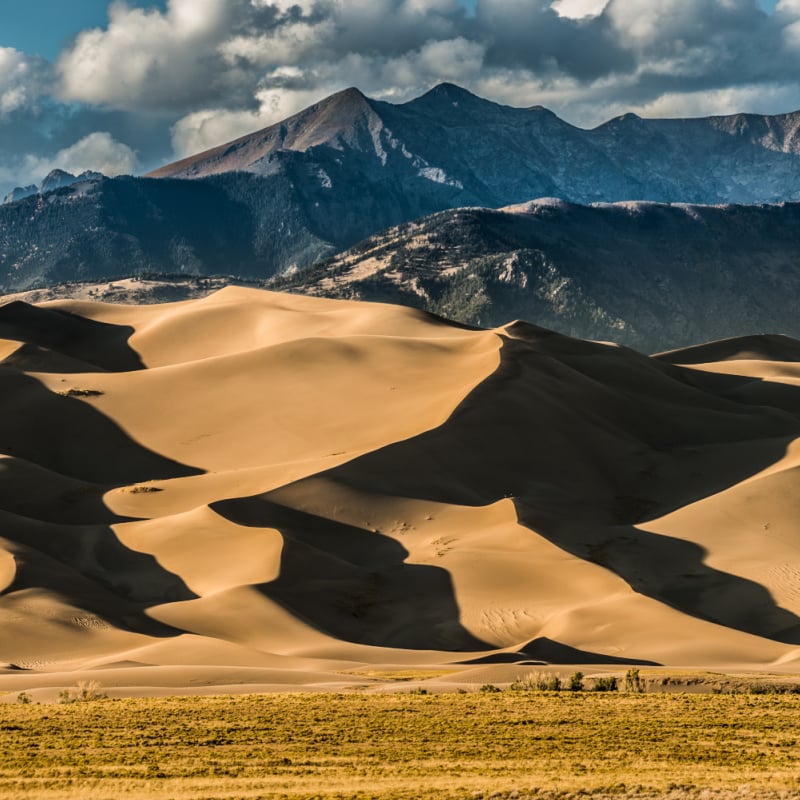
x=450 y=93
x=326 y=122
x=351 y=97
x=351 y=92
x=628 y=117
x=446 y=101
x=59 y=178
x=346 y=104
x=55 y=179
x=20 y=193
x=449 y=90
x=628 y=121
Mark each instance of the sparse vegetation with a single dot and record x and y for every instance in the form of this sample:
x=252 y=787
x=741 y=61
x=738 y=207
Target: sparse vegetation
x=537 y=682
x=403 y=745
x=605 y=684
x=575 y=682
x=633 y=682
x=77 y=392
x=142 y=488
x=84 y=692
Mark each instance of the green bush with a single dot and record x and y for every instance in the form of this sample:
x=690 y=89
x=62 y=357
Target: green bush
x=608 y=684
x=537 y=682
x=575 y=682
x=633 y=682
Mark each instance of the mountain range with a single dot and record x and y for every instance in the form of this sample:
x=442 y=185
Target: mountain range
x=647 y=275
x=451 y=148
x=55 y=179
x=292 y=194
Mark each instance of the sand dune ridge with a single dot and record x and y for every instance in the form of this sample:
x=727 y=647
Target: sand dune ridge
x=262 y=479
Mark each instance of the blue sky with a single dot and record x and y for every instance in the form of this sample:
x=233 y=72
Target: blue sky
x=44 y=27
x=159 y=79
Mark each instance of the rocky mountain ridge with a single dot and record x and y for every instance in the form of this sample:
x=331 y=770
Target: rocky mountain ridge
x=55 y=179
x=484 y=153
x=278 y=201
x=646 y=275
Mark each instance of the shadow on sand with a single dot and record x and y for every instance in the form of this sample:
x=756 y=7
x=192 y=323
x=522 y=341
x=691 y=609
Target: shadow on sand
x=354 y=584
x=587 y=440
x=72 y=453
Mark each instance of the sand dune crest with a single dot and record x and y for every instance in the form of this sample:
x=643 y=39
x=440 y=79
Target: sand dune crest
x=258 y=483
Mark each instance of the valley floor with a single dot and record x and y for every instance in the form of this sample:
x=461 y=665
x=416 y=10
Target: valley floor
x=478 y=744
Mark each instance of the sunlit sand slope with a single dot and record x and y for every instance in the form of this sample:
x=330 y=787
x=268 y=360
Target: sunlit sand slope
x=269 y=489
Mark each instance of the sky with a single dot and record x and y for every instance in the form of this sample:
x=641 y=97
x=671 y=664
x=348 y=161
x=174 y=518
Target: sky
x=125 y=86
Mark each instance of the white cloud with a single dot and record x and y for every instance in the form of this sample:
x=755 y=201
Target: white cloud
x=147 y=59
x=578 y=9
x=762 y=99
x=306 y=6
x=216 y=69
x=98 y=151
x=291 y=43
x=287 y=90
x=452 y=60
x=788 y=7
x=204 y=129
x=212 y=50
x=20 y=79
x=670 y=25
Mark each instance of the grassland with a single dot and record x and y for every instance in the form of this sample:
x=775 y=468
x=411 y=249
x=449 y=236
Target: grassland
x=404 y=745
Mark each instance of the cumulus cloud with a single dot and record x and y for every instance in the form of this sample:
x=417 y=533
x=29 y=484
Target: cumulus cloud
x=587 y=59
x=21 y=80
x=578 y=9
x=202 y=130
x=98 y=152
x=284 y=91
x=146 y=59
x=211 y=70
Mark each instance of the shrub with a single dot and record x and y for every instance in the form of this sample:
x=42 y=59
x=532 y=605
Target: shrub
x=537 y=682
x=608 y=684
x=575 y=682
x=548 y=683
x=522 y=684
x=23 y=698
x=490 y=688
x=762 y=688
x=633 y=683
x=84 y=692
x=142 y=488
x=75 y=392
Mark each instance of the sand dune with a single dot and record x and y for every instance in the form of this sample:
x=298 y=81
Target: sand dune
x=262 y=490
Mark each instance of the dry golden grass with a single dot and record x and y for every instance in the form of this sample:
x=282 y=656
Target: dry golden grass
x=391 y=675
x=510 y=744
